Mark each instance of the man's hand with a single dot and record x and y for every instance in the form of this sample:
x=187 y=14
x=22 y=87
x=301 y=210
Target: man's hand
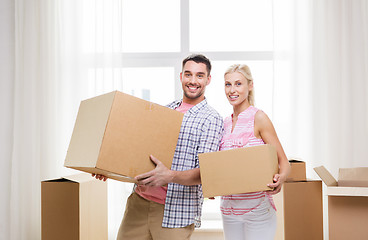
x=99 y=177
x=159 y=176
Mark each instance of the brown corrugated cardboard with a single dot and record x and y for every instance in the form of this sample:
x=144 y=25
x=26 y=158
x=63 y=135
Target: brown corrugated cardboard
x=326 y=176
x=297 y=172
x=349 y=177
x=74 y=207
x=348 y=217
x=299 y=211
x=115 y=133
x=347 y=206
x=353 y=177
x=238 y=170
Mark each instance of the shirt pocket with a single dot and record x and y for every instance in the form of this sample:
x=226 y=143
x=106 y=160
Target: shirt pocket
x=191 y=151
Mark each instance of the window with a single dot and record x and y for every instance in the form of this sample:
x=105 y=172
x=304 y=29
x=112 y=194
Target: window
x=151 y=26
x=230 y=26
x=150 y=83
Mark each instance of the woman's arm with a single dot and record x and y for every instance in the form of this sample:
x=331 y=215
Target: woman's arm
x=263 y=128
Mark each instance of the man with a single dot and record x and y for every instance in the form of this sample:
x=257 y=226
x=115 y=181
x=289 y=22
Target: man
x=167 y=204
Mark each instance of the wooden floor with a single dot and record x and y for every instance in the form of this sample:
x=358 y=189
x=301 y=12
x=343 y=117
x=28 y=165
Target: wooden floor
x=206 y=235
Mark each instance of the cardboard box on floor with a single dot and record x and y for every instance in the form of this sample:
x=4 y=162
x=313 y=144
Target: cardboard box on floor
x=115 y=134
x=297 y=172
x=347 y=202
x=238 y=170
x=299 y=211
x=74 y=207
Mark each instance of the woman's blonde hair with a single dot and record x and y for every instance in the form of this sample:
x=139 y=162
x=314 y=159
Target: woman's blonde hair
x=245 y=71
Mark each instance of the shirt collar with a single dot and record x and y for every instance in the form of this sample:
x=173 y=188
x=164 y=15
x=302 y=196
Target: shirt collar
x=192 y=110
x=198 y=106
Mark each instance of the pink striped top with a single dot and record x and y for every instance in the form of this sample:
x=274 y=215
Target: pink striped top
x=241 y=136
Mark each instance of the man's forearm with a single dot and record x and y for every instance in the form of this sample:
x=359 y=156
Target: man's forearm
x=188 y=177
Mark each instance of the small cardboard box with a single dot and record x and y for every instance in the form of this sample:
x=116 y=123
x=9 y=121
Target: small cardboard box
x=74 y=207
x=299 y=211
x=115 y=134
x=347 y=203
x=297 y=172
x=238 y=170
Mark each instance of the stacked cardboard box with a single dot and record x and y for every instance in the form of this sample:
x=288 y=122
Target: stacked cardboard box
x=299 y=206
x=297 y=173
x=74 y=207
x=347 y=203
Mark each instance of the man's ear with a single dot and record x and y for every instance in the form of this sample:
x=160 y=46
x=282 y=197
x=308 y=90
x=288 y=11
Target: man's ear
x=209 y=79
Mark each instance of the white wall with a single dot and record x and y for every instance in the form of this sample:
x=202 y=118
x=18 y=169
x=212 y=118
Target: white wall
x=7 y=73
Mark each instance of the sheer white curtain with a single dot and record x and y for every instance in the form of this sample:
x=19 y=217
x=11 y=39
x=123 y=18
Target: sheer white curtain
x=50 y=80
x=6 y=109
x=42 y=114
x=292 y=77
x=89 y=42
x=340 y=82
x=321 y=82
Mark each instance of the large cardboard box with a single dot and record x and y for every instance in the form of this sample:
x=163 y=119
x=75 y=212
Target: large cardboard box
x=347 y=203
x=74 y=208
x=297 y=172
x=299 y=211
x=348 y=217
x=238 y=170
x=115 y=134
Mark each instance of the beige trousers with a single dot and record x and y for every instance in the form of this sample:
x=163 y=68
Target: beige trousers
x=142 y=221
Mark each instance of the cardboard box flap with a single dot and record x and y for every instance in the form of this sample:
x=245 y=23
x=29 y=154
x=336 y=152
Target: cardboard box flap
x=108 y=174
x=353 y=177
x=80 y=178
x=326 y=176
x=356 y=174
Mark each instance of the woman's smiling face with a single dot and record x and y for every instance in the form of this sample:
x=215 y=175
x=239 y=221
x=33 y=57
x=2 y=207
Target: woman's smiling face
x=237 y=88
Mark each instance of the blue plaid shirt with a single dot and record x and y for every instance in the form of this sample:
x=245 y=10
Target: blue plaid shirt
x=201 y=131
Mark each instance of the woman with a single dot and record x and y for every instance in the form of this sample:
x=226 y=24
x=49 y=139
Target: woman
x=249 y=216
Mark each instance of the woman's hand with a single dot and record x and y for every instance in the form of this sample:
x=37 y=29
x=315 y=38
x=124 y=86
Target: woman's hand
x=278 y=180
